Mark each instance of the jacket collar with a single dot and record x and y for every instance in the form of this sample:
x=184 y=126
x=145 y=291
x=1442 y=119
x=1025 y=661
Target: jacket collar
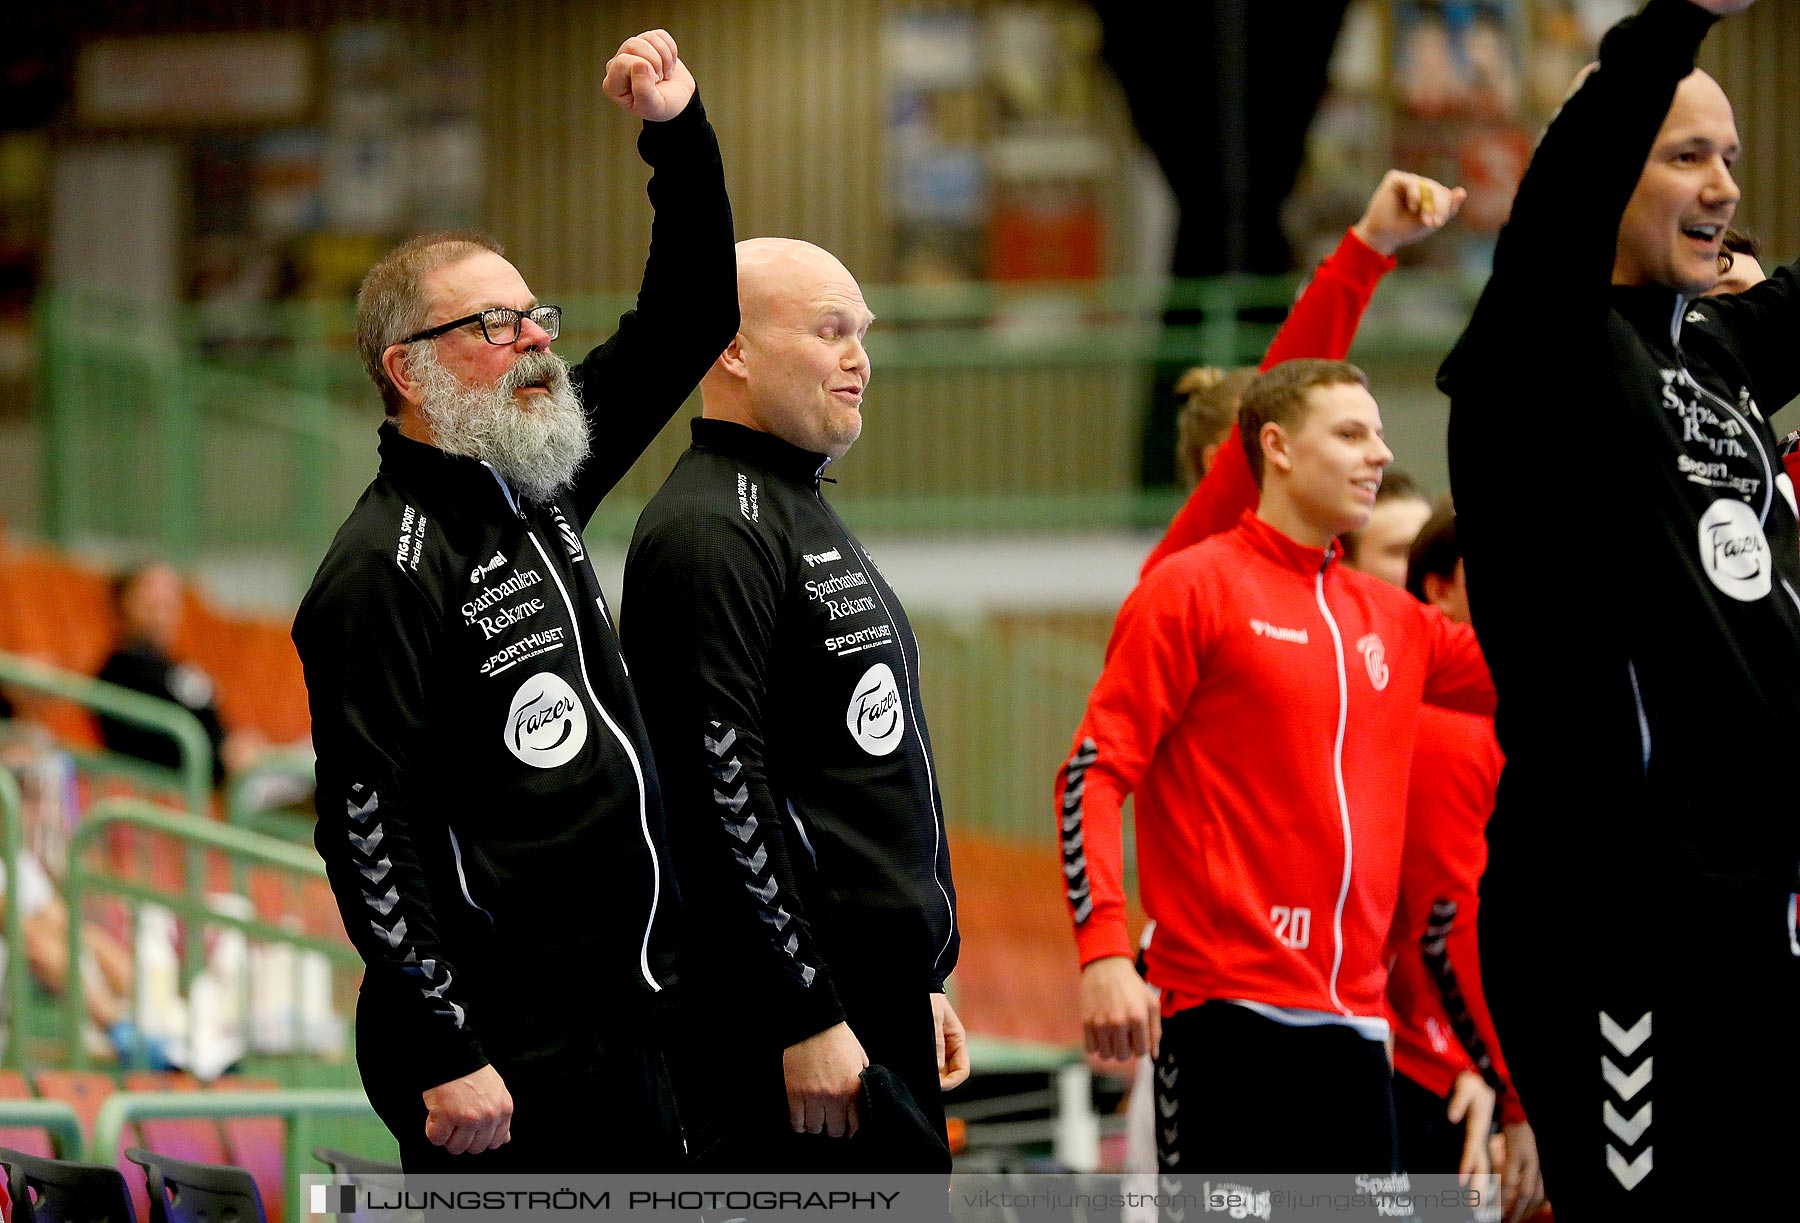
x=1285 y=550
x=763 y=449
x=1654 y=311
x=459 y=478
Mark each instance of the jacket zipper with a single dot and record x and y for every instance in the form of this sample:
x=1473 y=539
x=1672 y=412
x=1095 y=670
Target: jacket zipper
x=1761 y=450
x=1637 y=699
x=1337 y=772
x=1768 y=466
x=462 y=879
x=637 y=769
x=937 y=816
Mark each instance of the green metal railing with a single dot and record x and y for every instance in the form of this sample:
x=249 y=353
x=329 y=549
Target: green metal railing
x=1003 y=710
x=12 y=834
x=192 y=778
x=299 y=1109
x=243 y=808
x=53 y=1117
x=165 y=425
x=199 y=838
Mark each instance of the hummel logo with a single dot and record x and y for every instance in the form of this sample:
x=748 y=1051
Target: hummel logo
x=820 y=558
x=481 y=571
x=1277 y=633
x=1694 y=316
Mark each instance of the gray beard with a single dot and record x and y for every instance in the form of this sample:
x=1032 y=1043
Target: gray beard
x=537 y=449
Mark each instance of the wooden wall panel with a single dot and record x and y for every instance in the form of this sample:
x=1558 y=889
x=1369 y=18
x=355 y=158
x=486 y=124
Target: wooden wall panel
x=794 y=90
x=1755 y=55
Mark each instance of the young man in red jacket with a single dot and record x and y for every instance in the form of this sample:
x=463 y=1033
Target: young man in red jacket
x=1260 y=701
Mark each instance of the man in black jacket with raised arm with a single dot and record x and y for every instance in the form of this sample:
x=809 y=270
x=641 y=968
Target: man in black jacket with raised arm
x=1638 y=909
x=489 y=811
x=780 y=679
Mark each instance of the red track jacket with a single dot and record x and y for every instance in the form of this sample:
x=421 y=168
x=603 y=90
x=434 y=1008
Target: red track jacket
x=1260 y=701
x=1439 y=1011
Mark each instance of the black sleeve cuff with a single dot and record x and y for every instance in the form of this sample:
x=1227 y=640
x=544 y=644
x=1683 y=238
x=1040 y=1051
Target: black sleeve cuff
x=683 y=127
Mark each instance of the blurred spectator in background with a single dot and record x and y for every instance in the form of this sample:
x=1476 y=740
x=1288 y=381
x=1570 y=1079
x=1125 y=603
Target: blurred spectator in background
x=1221 y=93
x=148 y=601
x=1209 y=405
x=1740 y=263
x=1380 y=549
x=106 y=963
x=42 y=770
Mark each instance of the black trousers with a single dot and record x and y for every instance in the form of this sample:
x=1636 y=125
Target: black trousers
x=1240 y=1094
x=1648 y=1030
x=733 y=1097
x=597 y=1105
x=1429 y=1141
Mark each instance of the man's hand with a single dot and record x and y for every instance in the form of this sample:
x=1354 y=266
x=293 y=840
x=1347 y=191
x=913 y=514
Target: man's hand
x=952 y=1044
x=1472 y=1105
x=1521 y=1178
x=1405 y=208
x=648 y=78
x=1119 y=1018
x=469 y=1115
x=823 y=1082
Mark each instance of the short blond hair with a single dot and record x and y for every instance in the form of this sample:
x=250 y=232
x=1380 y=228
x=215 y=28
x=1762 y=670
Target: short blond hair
x=1279 y=397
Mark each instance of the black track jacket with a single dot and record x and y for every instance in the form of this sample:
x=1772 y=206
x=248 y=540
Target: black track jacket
x=780 y=680
x=488 y=808
x=1629 y=532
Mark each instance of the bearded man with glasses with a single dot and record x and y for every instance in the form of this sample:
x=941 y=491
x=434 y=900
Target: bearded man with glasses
x=489 y=812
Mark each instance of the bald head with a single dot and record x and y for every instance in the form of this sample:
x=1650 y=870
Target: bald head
x=771 y=271
x=797 y=367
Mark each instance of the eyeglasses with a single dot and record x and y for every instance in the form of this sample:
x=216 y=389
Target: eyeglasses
x=499 y=325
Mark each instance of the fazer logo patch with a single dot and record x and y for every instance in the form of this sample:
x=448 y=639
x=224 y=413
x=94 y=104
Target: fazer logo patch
x=876 y=718
x=546 y=725
x=1733 y=550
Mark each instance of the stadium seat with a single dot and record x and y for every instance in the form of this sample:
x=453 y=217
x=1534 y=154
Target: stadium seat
x=63 y=1191
x=258 y=1145
x=24 y=1138
x=342 y=1163
x=183 y=1192
x=195 y=1139
x=84 y=1091
x=359 y=1170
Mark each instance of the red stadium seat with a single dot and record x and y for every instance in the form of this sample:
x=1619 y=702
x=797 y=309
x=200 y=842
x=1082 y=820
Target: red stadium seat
x=258 y=1145
x=85 y=1091
x=28 y=1139
x=195 y=1139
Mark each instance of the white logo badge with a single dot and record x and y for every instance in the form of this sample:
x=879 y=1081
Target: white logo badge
x=876 y=718
x=1734 y=551
x=1375 y=659
x=546 y=725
